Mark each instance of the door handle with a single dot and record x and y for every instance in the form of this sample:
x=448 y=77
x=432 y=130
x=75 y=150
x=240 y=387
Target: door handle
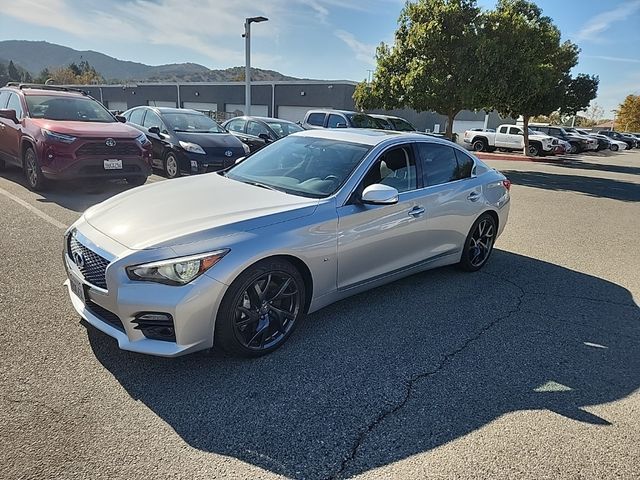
x=415 y=212
x=473 y=196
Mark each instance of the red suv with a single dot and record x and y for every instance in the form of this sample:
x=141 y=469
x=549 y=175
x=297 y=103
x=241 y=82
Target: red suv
x=62 y=133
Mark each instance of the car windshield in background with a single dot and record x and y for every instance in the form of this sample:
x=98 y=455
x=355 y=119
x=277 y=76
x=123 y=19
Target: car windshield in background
x=283 y=129
x=64 y=108
x=401 y=125
x=192 y=122
x=359 y=120
x=306 y=166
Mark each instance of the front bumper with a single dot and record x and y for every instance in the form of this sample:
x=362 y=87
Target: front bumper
x=114 y=310
x=94 y=168
x=198 y=163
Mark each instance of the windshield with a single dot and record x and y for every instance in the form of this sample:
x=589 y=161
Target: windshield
x=306 y=166
x=76 y=109
x=360 y=120
x=283 y=129
x=401 y=125
x=192 y=122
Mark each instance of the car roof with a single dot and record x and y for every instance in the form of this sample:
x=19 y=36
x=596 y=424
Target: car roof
x=261 y=119
x=42 y=91
x=333 y=110
x=366 y=136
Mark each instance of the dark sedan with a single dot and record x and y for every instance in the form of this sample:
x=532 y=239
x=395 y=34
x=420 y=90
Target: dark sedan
x=257 y=132
x=186 y=142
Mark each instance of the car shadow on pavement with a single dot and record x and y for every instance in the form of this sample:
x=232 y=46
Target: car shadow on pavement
x=592 y=186
x=72 y=195
x=602 y=167
x=402 y=369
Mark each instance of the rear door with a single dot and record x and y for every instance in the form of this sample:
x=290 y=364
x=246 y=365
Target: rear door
x=502 y=137
x=152 y=119
x=453 y=197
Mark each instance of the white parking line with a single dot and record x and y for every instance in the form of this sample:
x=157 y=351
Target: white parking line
x=33 y=210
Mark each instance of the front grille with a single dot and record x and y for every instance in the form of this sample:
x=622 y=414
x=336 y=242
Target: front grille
x=105 y=315
x=120 y=149
x=91 y=265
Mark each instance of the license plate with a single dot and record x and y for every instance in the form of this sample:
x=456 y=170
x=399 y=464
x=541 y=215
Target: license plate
x=113 y=164
x=77 y=288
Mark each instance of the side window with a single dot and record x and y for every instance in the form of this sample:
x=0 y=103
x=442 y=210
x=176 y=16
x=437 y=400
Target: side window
x=503 y=130
x=316 y=119
x=255 y=129
x=152 y=120
x=4 y=96
x=439 y=163
x=137 y=115
x=14 y=104
x=395 y=168
x=236 y=125
x=465 y=165
x=514 y=131
x=334 y=120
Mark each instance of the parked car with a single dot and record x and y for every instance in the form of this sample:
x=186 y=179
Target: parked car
x=391 y=122
x=510 y=137
x=604 y=143
x=577 y=143
x=592 y=143
x=630 y=141
x=238 y=258
x=315 y=119
x=260 y=131
x=614 y=145
x=186 y=142
x=58 y=133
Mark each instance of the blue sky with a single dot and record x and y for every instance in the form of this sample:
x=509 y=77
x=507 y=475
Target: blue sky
x=325 y=39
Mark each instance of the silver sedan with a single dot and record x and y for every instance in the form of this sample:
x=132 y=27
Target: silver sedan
x=236 y=259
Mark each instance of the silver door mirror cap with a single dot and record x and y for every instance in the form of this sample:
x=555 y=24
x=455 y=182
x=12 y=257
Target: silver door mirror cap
x=378 y=194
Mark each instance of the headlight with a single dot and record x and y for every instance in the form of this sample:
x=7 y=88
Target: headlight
x=142 y=140
x=191 y=147
x=57 y=137
x=176 y=271
x=246 y=148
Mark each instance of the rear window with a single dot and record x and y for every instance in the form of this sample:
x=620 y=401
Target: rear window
x=75 y=109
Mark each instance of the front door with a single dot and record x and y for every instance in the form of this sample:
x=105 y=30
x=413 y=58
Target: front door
x=375 y=240
x=11 y=132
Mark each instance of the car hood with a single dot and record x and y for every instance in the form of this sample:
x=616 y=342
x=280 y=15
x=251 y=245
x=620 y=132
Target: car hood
x=173 y=212
x=210 y=139
x=541 y=137
x=88 y=129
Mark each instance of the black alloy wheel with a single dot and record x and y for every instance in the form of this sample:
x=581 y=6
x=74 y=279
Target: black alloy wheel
x=261 y=309
x=479 y=243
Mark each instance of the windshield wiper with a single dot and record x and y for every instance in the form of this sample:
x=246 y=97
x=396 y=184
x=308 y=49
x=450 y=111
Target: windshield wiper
x=261 y=185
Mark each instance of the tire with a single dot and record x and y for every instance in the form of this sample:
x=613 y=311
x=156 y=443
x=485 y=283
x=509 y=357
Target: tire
x=483 y=228
x=502 y=149
x=171 y=165
x=479 y=145
x=32 y=171
x=136 y=181
x=243 y=313
x=534 y=150
x=614 y=148
x=574 y=148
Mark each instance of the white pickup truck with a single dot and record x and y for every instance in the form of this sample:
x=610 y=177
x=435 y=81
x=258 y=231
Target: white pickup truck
x=510 y=137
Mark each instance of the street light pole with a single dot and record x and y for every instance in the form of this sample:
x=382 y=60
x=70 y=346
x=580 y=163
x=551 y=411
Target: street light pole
x=247 y=68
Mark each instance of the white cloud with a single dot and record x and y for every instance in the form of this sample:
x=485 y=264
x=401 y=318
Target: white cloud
x=614 y=59
x=594 y=28
x=364 y=52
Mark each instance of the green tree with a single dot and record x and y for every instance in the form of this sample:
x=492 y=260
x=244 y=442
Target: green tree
x=14 y=74
x=43 y=76
x=432 y=65
x=528 y=66
x=628 y=118
x=4 y=76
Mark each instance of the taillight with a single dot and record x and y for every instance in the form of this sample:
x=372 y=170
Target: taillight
x=507 y=184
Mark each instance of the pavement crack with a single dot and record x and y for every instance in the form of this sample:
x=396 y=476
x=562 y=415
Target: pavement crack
x=409 y=384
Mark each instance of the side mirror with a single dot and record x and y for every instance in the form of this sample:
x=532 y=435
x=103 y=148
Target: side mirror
x=264 y=137
x=239 y=160
x=341 y=125
x=378 y=194
x=9 y=115
x=154 y=130
x=121 y=119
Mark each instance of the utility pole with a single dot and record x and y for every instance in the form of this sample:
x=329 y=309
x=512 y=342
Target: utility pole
x=247 y=68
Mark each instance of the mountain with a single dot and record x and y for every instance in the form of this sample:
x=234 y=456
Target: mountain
x=35 y=56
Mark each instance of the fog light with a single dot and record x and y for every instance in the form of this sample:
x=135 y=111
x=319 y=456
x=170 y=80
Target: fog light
x=156 y=326
x=194 y=166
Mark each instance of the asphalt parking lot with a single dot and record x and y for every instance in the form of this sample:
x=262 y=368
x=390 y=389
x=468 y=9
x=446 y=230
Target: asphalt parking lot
x=529 y=368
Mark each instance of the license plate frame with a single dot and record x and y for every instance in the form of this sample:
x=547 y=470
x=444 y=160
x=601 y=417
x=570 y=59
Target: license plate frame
x=112 y=164
x=77 y=288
